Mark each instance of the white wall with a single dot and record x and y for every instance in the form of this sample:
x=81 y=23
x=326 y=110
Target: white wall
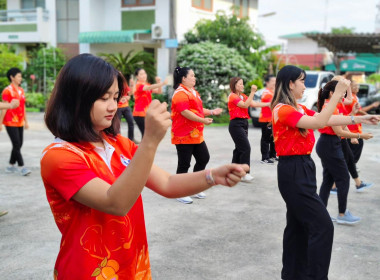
x=13 y=4
x=302 y=46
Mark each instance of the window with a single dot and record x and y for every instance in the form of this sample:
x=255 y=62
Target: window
x=241 y=8
x=132 y=3
x=32 y=4
x=202 y=4
x=67 y=21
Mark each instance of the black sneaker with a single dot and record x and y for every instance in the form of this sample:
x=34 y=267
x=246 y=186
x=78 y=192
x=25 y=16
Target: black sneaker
x=267 y=161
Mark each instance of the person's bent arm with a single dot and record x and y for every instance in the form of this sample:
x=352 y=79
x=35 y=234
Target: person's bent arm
x=247 y=103
x=179 y=185
x=348 y=134
x=118 y=198
x=321 y=120
x=193 y=117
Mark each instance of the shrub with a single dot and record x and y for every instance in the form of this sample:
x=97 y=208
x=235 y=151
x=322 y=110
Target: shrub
x=35 y=100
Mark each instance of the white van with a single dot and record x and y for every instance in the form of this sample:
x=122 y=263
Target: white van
x=313 y=82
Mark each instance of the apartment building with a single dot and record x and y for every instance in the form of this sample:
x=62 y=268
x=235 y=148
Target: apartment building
x=95 y=26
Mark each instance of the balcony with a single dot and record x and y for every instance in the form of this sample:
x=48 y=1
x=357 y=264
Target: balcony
x=24 y=26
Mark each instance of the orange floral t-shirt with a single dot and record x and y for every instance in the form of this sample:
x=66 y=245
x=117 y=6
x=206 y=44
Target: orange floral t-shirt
x=94 y=245
x=266 y=113
x=185 y=131
x=234 y=110
x=14 y=117
x=143 y=98
x=328 y=129
x=288 y=139
x=121 y=104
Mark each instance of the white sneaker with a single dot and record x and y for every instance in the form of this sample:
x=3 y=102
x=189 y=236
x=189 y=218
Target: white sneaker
x=186 y=199
x=200 y=195
x=247 y=178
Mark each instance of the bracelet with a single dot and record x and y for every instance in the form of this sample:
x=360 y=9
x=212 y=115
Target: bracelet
x=209 y=178
x=358 y=135
x=353 y=120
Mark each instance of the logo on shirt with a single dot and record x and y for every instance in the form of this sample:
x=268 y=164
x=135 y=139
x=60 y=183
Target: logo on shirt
x=124 y=160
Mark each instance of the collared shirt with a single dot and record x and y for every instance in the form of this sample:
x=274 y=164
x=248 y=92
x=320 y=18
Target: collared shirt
x=93 y=242
x=143 y=98
x=14 y=117
x=288 y=139
x=266 y=113
x=185 y=131
x=234 y=110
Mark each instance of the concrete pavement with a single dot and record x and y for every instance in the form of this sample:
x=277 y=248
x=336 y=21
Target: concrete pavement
x=235 y=233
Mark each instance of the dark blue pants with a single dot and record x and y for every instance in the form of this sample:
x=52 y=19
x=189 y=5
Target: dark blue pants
x=186 y=151
x=356 y=149
x=266 y=142
x=238 y=129
x=127 y=114
x=308 y=236
x=329 y=149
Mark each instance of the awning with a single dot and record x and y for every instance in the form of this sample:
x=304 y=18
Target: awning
x=355 y=65
x=101 y=37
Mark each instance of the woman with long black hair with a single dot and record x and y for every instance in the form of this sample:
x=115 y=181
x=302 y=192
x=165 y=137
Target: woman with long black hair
x=308 y=235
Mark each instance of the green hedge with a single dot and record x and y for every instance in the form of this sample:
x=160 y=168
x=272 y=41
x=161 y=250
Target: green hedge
x=35 y=100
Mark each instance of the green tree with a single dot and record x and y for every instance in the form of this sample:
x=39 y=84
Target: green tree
x=374 y=78
x=8 y=59
x=214 y=65
x=128 y=63
x=3 y=4
x=342 y=30
x=44 y=64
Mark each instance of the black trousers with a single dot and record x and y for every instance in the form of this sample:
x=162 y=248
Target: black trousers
x=266 y=142
x=349 y=157
x=126 y=113
x=356 y=149
x=329 y=149
x=308 y=235
x=238 y=129
x=140 y=121
x=186 y=151
x=16 y=134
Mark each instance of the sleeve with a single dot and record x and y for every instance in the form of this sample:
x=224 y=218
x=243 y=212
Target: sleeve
x=6 y=96
x=266 y=97
x=308 y=111
x=235 y=99
x=289 y=116
x=65 y=171
x=181 y=101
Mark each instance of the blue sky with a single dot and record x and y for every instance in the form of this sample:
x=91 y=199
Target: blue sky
x=296 y=16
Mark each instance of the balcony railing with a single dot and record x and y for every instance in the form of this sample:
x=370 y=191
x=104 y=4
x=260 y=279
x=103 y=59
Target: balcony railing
x=24 y=15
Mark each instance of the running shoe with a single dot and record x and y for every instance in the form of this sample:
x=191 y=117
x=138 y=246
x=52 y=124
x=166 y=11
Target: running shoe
x=363 y=185
x=25 y=171
x=348 y=218
x=267 y=161
x=334 y=191
x=11 y=169
x=200 y=195
x=247 y=178
x=186 y=199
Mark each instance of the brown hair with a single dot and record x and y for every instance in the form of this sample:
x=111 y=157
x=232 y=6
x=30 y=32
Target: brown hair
x=233 y=82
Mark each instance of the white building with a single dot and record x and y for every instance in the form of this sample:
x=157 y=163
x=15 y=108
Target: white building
x=95 y=26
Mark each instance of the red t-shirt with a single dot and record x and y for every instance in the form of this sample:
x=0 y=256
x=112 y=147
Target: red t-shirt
x=143 y=98
x=266 y=113
x=234 y=110
x=14 y=117
x=287 y=137
x=328 y=129
x=126 y=103
x=185 y=131
x=94 y=244
x=355 y=128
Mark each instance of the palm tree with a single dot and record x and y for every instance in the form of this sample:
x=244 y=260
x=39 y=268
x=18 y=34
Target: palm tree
x=127 y=64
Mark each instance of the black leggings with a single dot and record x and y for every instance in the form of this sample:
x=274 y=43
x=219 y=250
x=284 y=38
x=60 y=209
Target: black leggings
x=349 y=157
x=238 y=129
x=309 y=232
x=16 y=134
x=126 y=113
x=266 y=142
x=329 y=149
x=356 y=149
x=185 y=151
x=140 y=121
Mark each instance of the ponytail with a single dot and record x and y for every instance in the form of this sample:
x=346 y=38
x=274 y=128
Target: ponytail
x=324 y=93
x=178 y=74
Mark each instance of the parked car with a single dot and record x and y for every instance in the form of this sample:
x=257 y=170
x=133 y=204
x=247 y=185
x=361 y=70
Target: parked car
x=254 y=112
x=313 y=82
x=367 y=95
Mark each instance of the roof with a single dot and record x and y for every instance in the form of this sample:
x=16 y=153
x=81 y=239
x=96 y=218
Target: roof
x=353 y=65
x=347 y=43
x=100 y=37
x=297 y=35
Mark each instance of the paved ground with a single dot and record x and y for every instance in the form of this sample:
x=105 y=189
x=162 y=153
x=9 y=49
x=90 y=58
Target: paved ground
x=232 y=234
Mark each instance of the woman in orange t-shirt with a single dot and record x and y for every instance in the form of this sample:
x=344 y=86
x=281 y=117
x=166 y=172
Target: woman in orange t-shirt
x=14 y=121
x=238 y=104
x=143 y=96
x=123 y=109
x=94 y=177
x=188 y=116
x=308 y=235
